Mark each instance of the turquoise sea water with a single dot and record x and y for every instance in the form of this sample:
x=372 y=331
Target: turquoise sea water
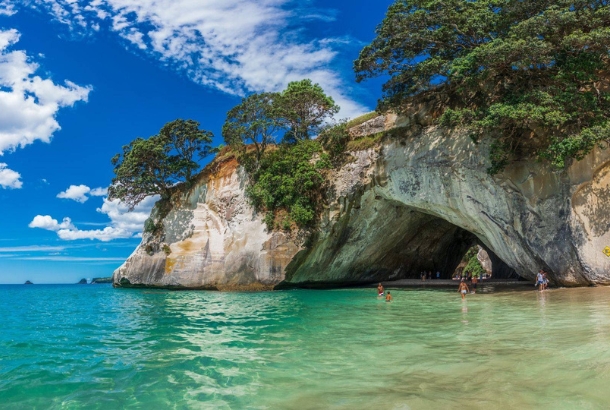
x=94 y=347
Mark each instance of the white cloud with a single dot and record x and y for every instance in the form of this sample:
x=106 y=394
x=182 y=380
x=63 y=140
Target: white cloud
x=29 y=103
x=98 y=192
x=107 y=234
x=76 y=193
x=50 y=224
x=9 y=178
x=235 y=46
x=123 y=224
x=79 y=193
x=6 y=8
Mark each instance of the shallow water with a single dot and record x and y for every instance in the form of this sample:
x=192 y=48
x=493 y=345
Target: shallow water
x=95 y=347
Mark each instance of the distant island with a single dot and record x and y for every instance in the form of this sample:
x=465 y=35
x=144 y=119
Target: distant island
x=27 y=282
x=82 y=282
x=101 y=280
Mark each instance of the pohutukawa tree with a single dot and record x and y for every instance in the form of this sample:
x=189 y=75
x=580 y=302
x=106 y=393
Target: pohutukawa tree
x=298 y=113
x=185 y=143
x=155 y=165
x=255 y=121
x=303 y=108
x=532 y=75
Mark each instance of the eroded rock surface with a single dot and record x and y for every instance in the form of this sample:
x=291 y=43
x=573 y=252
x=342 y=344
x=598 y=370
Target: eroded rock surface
x=416 y=202
x=210 y=239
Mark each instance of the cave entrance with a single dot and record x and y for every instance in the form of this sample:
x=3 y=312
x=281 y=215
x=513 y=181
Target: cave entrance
x=385 y=240
x=414 y=242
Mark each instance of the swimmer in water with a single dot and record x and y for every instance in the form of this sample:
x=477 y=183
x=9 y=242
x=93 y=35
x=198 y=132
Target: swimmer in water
x=463 y=288
x=388 y=297
x=380 y=289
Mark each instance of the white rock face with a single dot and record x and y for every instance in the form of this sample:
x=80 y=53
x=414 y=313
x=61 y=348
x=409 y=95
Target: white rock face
x=211 y=239
x=416 y=202
x=483 y=258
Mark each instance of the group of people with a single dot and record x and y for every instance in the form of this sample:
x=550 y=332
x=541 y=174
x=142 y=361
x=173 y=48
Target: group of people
x=428 y=275
x=381 y=293
x=542 y=282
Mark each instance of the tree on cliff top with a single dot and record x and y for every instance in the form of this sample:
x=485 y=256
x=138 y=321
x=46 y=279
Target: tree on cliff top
x=532 y=75
x=303 y=108
x=299 y=113
x=254 y=121
x=153 y=166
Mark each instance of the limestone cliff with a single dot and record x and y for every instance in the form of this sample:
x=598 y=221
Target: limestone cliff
x=416 y=201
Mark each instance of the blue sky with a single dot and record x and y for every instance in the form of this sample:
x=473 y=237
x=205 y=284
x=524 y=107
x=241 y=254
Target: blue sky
x=80 y=79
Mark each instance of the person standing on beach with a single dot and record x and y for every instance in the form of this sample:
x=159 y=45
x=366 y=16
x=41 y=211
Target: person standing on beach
x=475 y=280
x=463 y=288
x=380 y=289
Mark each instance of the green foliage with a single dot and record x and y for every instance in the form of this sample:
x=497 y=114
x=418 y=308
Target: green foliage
x=473 y=266
x=303 y=108
x=289 y=179
x=366 y=142
x=166 y=249
x=155 y=165
x=255 y=121
x=335 y=139
x=183 y=141
x=531 y=75
x=149 y=226
x=297 y=113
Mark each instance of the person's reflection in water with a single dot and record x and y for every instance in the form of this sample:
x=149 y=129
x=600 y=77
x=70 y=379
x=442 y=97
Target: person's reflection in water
x=542 y=302
x=465 y=313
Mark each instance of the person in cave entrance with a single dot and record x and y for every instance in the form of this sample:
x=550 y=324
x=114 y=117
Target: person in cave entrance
x=463 y=289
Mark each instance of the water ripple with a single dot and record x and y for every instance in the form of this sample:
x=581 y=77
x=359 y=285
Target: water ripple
x=92 y=347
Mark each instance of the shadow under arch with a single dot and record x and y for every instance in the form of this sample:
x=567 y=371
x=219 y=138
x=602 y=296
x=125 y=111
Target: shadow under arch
x=382 y=241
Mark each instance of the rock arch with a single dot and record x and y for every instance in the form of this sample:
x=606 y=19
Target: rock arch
x=423 y=197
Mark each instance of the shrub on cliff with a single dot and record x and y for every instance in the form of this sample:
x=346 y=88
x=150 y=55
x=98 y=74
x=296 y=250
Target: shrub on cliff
x=289 y=179
x=473 y=266
x=286 y=182
x=531 y=75
x=155 y=165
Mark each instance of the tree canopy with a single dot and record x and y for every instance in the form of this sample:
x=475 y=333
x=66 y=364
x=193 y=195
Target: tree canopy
x=286 y=182
x=297 y=113
x=532 y=75
x=254 y=121
x=303 y=108
x=155 y=165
